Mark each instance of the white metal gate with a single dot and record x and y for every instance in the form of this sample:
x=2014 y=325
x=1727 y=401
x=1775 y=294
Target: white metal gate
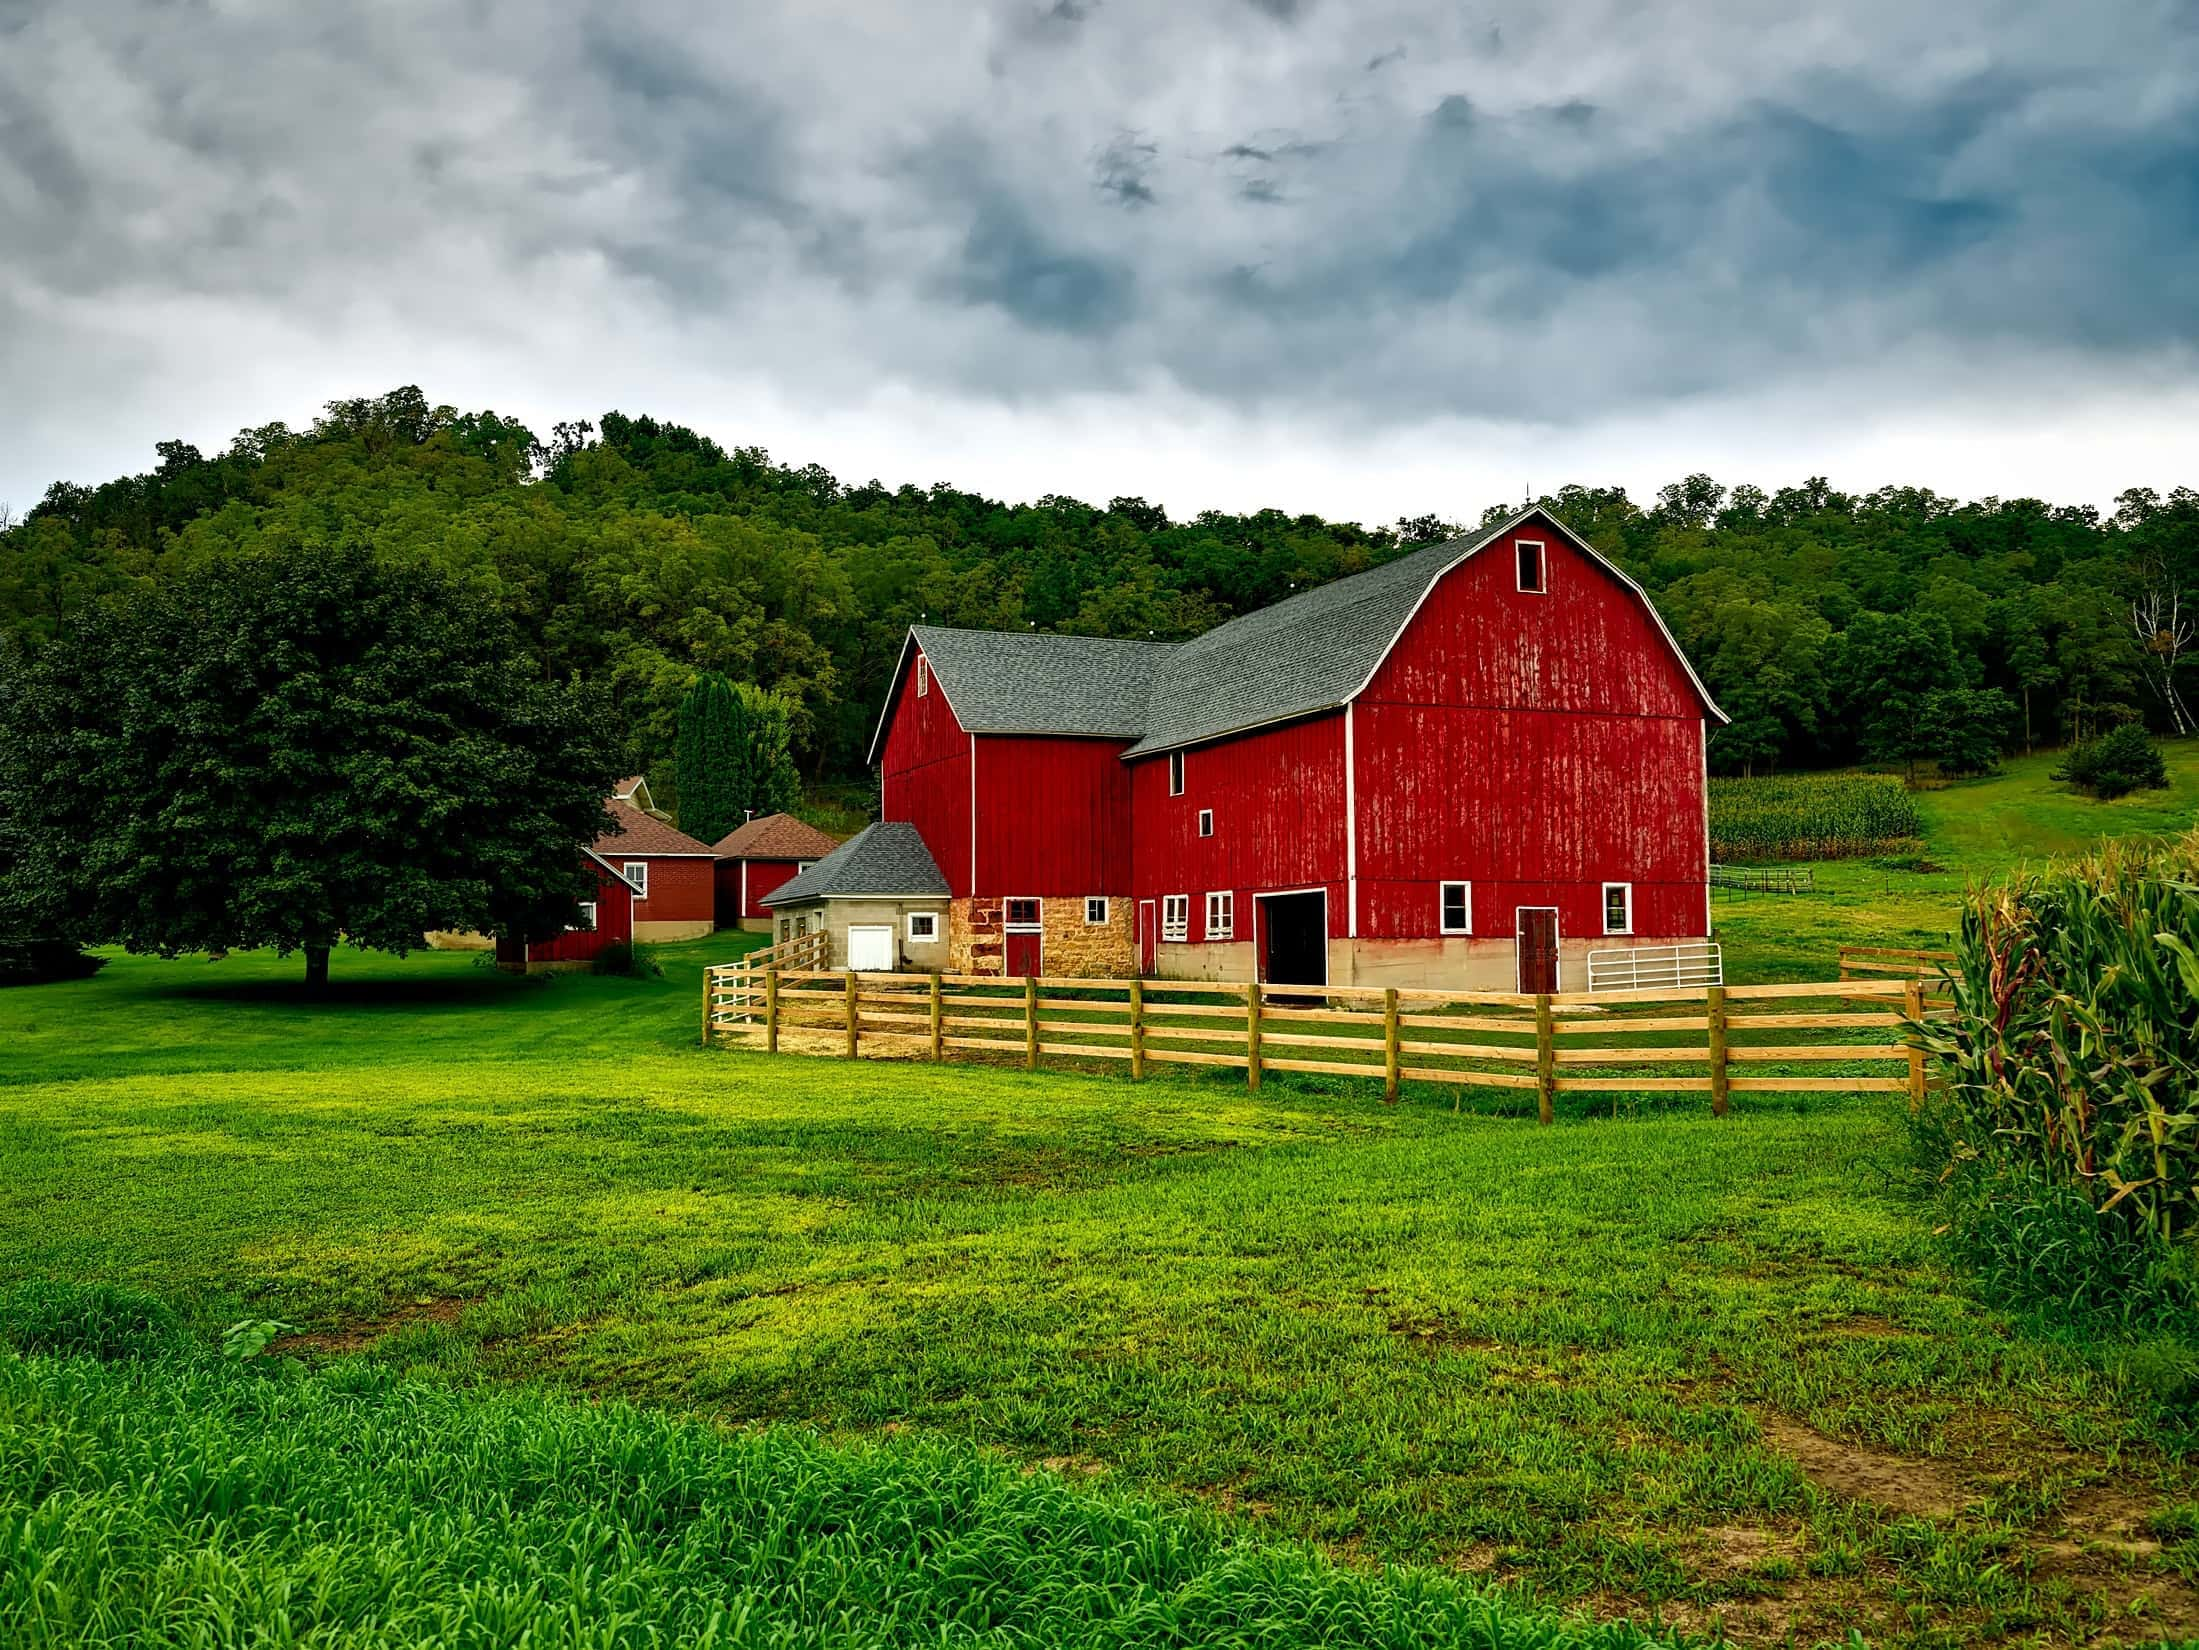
x=1657 y=967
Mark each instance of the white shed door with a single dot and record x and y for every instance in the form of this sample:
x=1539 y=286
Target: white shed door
x=871 y=949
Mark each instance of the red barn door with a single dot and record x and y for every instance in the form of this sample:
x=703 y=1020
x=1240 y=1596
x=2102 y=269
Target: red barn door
x=1538 y=948
x=1025 y=940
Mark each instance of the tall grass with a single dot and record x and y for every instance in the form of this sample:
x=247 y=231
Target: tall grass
x=175 y=1500
x=1811 y=816
x=2066 y=1137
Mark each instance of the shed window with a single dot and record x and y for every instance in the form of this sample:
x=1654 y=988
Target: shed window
x=1530 y=565
x=1618 y=908
x=1175 y=773
x=786 y=929
x=1206 y=822
x=1457 y=908
x=1221 y=915
x=1095 y=911
x=923 y=676
x=587 y=923
x=1023 y=913
x=636 y=873
x=1176 y=917
x=923 y=925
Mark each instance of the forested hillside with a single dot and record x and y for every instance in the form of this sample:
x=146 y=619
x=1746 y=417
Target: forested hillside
x=634 y=554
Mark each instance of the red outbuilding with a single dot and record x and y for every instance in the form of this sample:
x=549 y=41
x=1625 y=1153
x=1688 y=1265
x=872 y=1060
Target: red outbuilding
x=674 y=877
x=606 y=919
x=1481 y=764
x=756 y=858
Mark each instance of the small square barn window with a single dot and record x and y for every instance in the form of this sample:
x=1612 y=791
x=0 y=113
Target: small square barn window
x=1531 y=570
x=1023 y=913
x=1618 y=908
x=1457 y=908
x=1176 y=917
x=587 y=923
x=923 y=925
x=636 y=872
x=1206 y=822
x=923 y=676
x=1175 y=773
x=1095 y=911
x=1221 y=916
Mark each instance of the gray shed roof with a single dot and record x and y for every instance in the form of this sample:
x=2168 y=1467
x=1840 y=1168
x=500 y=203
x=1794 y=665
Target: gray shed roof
x=886 y=861
x=1024 y=681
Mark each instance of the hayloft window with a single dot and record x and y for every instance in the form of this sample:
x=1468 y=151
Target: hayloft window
x=1206 y=822
x=923 y=676
x=1618 y=908
x=1176 y=917
x=1531 y=570
x=1457 y=908
x=1221 y=915
x=1175 y=773
x=636 y=873
x=923 y=925
x=1022 y=913
x=1095 y=911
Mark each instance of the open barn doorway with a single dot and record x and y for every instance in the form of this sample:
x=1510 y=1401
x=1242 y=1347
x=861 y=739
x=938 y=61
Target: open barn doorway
x=1294 y=938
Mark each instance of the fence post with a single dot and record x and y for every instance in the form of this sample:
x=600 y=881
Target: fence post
x=1389 y=1047
x=1546 y=1060
x=1717 y=1007
x=1137 y=1030
x=706 y=1007
x=1912 y=1003
x=1030 y=1022
x=771 y=1011
x=939 y=1045
x=855 y=1021
x=1252 y=1035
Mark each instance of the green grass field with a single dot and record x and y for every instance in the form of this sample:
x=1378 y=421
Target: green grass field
x=1705 y=1374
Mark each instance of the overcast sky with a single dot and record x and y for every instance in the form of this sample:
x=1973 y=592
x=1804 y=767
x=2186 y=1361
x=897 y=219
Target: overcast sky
x=1353 y=256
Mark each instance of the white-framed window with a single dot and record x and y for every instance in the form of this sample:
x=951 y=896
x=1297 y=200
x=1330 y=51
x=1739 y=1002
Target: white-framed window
x=636 y=873
x=802 y=865
x=1176 y=917
x=587 y=923
x=1221 y=915
x=1455 y=907
x=801 y=928
x=1022 y=913
x=1175 y=773
x=923 y=925
x=1206 y=822
x=786 y=929
x=1095 y=910
x=1618 y=908
x=1534 y=574
x=923 y=676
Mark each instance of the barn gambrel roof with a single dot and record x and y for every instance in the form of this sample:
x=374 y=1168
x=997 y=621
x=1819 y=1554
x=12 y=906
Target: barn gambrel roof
x=1312 y=652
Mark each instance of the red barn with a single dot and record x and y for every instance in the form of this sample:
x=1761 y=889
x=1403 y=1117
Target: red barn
x=606 y=919
x=1473 y=766
x=758 y=857
x=674 y=877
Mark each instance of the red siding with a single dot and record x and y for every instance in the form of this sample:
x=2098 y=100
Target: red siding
x=1278 y=801
x=614 y=925
x=680 y=889
x=1535 y=745
x=764 y=876
x=924 y=777
x=1053 y=817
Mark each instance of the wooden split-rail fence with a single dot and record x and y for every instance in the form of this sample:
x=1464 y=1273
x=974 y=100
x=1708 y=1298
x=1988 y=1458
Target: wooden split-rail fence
x=1837 y=1037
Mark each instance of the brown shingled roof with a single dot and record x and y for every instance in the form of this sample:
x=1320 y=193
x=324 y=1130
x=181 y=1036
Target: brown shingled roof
x=638 y=835
x=776 y=836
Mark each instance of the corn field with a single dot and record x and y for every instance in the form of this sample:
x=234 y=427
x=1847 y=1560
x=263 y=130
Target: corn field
x=1811 y=816
x=2067 y=1132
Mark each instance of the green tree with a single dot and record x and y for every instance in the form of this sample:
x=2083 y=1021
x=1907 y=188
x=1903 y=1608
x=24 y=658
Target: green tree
x=765 y=780
x=1886 y=667
x=1967 y=728
x=296 y=749
x=710 y=758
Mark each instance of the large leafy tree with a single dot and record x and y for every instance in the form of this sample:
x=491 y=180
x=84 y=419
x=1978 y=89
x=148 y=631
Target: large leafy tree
x=300 y=749
x=708 y=755
x=764 y=779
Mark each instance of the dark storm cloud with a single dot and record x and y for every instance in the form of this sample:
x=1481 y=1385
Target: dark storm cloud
x=1369 y=212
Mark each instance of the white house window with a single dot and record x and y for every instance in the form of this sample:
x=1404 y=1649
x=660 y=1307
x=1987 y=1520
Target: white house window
x=1457 y=908
x=1176 y=917
x=1618 y=908
x=1531 y=570
x=1221 y=915
x=636 y=873
x=1206 y=822
x=923 y=676
x=1023 y=913
x=1095 y=911
x=923 y=925
x=587 y=923
x=1175 y=773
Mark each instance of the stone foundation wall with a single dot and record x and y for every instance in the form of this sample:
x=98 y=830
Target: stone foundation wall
x=977 y=939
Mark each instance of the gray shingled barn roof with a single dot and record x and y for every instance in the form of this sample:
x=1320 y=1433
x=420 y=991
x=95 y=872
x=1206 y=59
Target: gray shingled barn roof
x=888 y=861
